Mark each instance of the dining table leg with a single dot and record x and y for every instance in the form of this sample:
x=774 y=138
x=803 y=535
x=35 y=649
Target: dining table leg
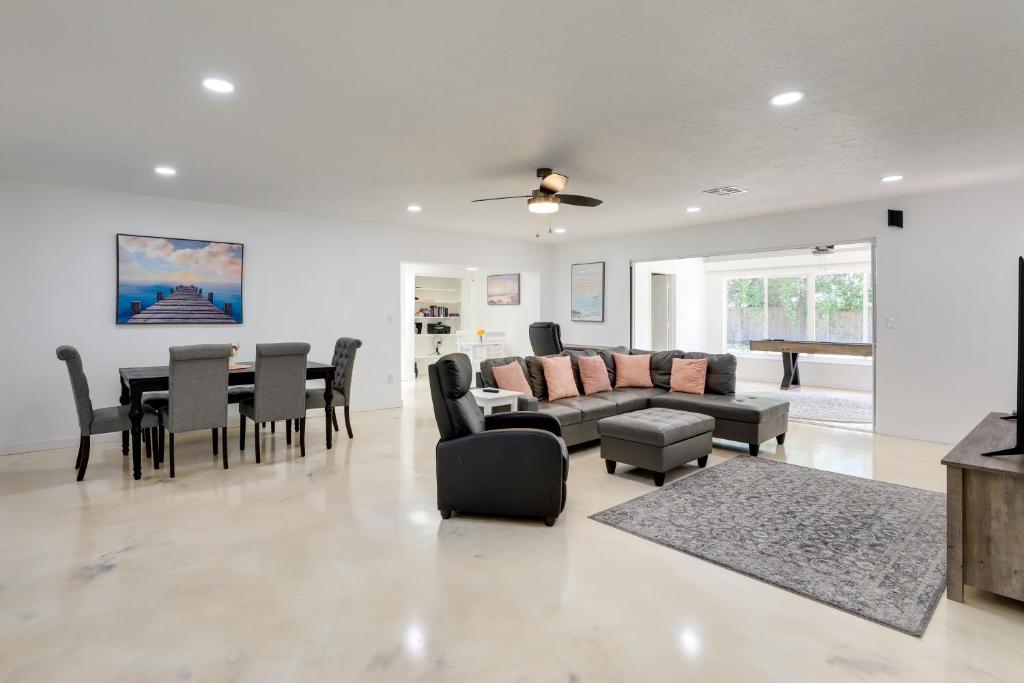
x=135 y=414
x=328 y=396
x=124 y=434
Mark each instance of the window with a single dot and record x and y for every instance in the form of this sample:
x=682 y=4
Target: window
x=839 y=307
x=745 y=312
x=833 y=307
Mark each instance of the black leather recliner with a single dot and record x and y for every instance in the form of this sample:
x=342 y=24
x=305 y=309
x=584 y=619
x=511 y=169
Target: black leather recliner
x=545 y=338
x=511 y=464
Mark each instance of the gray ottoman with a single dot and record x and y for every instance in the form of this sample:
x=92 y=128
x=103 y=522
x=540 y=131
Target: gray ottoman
x=656 y=439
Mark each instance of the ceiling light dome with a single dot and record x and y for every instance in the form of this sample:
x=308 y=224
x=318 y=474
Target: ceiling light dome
x=218 y=85
x=541 y=203
x=787 y=98
x=166 y=171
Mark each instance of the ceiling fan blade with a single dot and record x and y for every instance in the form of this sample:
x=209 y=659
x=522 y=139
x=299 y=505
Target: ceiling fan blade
x=578 y=200
x=493 y=199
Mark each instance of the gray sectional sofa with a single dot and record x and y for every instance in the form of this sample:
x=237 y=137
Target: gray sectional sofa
x=747 y=419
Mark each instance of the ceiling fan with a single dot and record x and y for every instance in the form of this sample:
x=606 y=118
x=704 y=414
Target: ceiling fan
x=547 y=197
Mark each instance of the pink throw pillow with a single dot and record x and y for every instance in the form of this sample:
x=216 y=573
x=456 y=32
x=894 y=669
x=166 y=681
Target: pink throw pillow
x=633 y=371
x=593 y=374
x=511 y=378
x=689 y=375
x=558 y=375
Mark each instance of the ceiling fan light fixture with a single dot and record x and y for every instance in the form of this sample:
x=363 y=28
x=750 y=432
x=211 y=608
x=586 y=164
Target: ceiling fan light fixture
x=554 y=182
x=542 y=204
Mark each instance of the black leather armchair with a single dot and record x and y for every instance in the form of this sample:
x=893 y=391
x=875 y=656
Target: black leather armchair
x=546 y=338
x=511 y=464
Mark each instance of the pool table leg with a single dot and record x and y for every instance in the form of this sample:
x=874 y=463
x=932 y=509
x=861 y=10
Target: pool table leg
x=790 y=369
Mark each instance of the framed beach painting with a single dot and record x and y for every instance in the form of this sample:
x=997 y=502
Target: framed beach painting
x=587 y=292
x=503 y=290
x=173 y=281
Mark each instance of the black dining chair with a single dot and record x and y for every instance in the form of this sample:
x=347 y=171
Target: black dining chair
x=98 y=420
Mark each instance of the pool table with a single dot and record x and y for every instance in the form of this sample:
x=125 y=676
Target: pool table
x=791 y=350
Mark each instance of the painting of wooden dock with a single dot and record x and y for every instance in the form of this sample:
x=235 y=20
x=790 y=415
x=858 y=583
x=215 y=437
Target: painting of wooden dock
x=169 y=281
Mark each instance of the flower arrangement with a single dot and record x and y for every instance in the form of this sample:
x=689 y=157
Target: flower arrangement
x=480 y=335
x=234 y=349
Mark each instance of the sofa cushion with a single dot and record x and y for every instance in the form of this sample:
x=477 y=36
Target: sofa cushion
x=656 y=426
x=661 y=367
x=608 y=356
x=689 y=375
x=749 y=409
x=565 y=414
x=721 y=372
x=512 y=378
x=624 y=400
x=593 y=375
x=559 y=378
x=632 y=370
x=535 y=376
x=487 y=368
x=574 y=358
x=590 y=408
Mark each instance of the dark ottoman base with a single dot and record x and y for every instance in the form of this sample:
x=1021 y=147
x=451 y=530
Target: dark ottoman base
x=656 y=439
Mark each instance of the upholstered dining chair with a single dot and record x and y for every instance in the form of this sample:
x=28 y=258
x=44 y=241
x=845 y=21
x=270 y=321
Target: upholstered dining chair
x=97 y=420
x=279 y=391
x=344 y=361
x=197 y=396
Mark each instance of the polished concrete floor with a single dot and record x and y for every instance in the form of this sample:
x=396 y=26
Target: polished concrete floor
x=338 y=567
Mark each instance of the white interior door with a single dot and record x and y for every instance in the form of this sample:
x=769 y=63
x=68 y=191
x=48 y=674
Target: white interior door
x=663 y=311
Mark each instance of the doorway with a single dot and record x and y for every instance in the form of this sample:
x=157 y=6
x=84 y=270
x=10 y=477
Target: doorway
x=663 y=311
x=800 y=323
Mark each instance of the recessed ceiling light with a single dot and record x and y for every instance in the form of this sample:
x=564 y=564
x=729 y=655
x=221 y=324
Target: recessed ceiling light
x=165 y=171
x=891 y=178
x=218 y=85
x=560 y=230
x=693 y=209
x=787 y=98
x=414 y=208
x=472 y=268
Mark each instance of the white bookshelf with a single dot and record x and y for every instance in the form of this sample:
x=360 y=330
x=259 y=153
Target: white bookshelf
x=437 y=291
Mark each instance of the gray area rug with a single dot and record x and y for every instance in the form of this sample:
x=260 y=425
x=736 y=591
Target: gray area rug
x=812 y=406
x=870 y=548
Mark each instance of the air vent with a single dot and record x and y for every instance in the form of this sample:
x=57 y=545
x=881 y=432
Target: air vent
x=823 y=250
x=724 y=191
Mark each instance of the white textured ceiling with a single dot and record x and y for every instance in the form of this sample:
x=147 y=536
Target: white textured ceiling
x=356 y=109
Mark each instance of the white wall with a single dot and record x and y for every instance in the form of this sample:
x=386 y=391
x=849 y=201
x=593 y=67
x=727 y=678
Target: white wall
x=306 y=278
x=948 y=280
x=690 y=301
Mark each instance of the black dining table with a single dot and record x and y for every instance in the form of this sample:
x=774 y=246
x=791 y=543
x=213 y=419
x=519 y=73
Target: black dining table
x=137 y=381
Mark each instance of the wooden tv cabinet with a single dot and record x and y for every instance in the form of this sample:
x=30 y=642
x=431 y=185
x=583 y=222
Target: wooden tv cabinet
x=985 y=512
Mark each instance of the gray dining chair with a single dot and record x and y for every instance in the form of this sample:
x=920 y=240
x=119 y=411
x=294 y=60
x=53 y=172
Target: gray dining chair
x=98 y=420
x=279 y=392
x=344 y=361
x=197 y=396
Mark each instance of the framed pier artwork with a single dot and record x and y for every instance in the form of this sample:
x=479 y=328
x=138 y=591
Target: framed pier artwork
x=173 y=281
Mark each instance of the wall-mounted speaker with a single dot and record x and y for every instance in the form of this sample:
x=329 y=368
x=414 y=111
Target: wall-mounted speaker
x=895 y=218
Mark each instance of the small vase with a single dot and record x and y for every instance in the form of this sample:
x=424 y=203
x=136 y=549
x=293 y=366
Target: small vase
x=481 y=338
